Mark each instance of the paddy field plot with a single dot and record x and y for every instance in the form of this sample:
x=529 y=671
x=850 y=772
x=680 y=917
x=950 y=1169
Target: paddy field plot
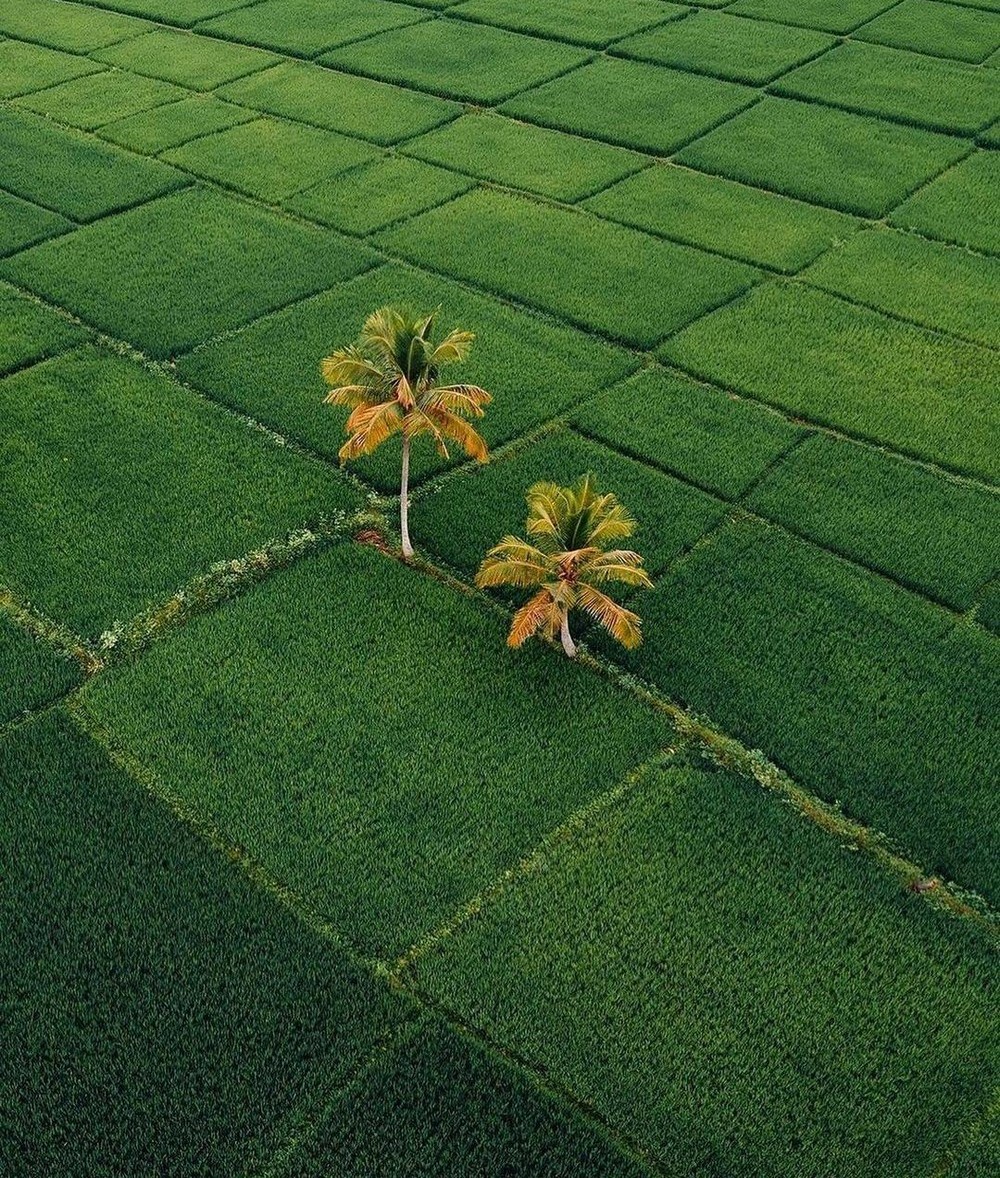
x=310 y=873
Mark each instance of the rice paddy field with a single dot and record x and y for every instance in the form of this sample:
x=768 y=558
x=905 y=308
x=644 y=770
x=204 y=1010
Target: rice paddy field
x=305 y=873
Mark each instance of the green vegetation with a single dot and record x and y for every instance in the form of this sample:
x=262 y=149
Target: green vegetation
x=942 y=30
x=632 y=104
x=168 y=126
x=354 y=106
x=989 y=608
x=600 y=275
x=95 y=99
x=520 y=155
x=31 y=332
x=360 y=791
x=75 y=27
x=927 y=531
x=31 y=673
x=894 y=84
x=177 y=1012
x=813 y=14
x=36 y=158
x=304 y=28
x=178 y=12
x=751 y=51
x=269 y=158
x=24 y=68
x=471 y=62
x=463 y=517
x=740 y=1011
x=898 y=385
x=706 y=436
x=721 y=215
x=827 y=156
x=959 y=206
x=141 y=275
x=23 y=223
x=439 y=1104
x=389 y=380
x=534 y=369
x=200 y=63
x=377 y=194
x=938 y=286
x=863 y=692
x=117 y=487
x=571 y=20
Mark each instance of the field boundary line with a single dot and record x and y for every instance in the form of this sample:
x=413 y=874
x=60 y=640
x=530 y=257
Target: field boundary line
x=530 y=863
x=42 y=628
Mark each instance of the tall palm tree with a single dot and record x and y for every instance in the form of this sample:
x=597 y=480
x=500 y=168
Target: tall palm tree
x=389 y=381
x=571 y=528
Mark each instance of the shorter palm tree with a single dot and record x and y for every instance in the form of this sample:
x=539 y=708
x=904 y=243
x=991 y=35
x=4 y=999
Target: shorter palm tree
x=566 y=558
x=389 y=381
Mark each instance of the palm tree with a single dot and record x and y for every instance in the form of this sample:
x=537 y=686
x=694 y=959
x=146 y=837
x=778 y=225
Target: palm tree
x=389 y=381
x=571 y=528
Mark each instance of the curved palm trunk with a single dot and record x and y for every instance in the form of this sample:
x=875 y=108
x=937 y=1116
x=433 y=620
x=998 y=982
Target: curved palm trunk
x=568 y=645
x=404 y=500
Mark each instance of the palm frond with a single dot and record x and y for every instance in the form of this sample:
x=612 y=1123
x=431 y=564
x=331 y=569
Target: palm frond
x=458 y=430
x=350 y=396
x=546 y=510
x=611 y=522
x=368 y=427
x=454 y=348
x=623 y=625
x=351 y=366
x=381 y=332
x=513 y=562
x=535 y=613
x=619 y=564
x=468 y=399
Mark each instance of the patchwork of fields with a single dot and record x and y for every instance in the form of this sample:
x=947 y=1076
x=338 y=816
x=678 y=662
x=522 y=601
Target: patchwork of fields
x=305 y=872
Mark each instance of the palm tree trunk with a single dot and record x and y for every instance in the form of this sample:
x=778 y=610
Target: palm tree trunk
x=568 y=645
x=404 y=500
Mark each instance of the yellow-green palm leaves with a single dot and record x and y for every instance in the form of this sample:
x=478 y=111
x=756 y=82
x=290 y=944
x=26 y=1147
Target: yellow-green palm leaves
x=566 y=559
x=389 y=380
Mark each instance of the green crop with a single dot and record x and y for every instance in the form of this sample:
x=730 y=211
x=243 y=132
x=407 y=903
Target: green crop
x=176 y=12
x=936 y=286
x=25 y=68
x=459 y=59
x=31 y=332
x=471 y=513
x=709 y=438
x=602 y=276
x=813 y=14
x=894 y=84
x=633 y=104
x=304 y=28
x=734 y=990
x=441 y=1104
x=36 y=158
x=23 y=223
x=534 y=369
x=133 y=486
x=377 y=194
x=724 y=216
x=354 y=106
x=520 y=155
x=751 y=51
x=163 y=127
x=31 y=673
x=141 y=275
x=571 y=20
x=927 y=531
x=75 y=27
x=200 y=63
x=942 y=30
x=359 y=790
x=95 y=99
x=925 y=395
x=863 y=692
x=161 y=1013
x=959 y=206
x=270 y=158
x=830 y=157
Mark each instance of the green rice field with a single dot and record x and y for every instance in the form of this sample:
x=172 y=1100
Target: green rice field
x=306 y=872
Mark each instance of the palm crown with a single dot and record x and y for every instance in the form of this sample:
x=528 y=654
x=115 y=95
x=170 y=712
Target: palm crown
x=389 y=382
x=567 y=556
